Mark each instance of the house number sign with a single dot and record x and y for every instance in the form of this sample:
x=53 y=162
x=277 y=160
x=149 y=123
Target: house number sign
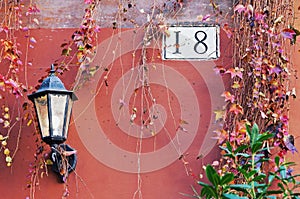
x=191 y=42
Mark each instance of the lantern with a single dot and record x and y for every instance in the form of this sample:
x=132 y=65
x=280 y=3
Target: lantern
x=53 y=106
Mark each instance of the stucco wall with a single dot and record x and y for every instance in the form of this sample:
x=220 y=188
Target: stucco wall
x=68 y=14
x=295 y=105
x=98 y=179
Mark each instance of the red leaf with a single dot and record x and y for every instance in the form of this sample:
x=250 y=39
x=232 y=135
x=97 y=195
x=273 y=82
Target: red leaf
x=88 y=1
x=288 y=33
x=240 y=8
x=235 y=72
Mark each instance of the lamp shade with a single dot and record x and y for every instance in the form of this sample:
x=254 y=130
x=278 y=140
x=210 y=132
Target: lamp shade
x=53 y=106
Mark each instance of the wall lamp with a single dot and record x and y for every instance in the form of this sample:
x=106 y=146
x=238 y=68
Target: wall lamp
x=53 y=107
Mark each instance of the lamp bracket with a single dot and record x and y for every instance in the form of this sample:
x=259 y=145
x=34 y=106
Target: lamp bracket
x=64 y=160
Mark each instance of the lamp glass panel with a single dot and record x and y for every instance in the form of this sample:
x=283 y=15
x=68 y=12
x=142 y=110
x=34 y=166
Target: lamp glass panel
x=58 y=111
x=68 y=116
x=41 y=107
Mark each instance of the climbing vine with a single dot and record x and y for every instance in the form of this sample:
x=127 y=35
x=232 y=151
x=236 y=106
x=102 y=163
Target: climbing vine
x=14 y=115
x=76 y=54
x=262 y=86
x=263 y=77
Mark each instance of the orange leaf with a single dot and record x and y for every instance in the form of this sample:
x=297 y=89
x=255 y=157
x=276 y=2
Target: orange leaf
x=228 y=96
x=236 y=109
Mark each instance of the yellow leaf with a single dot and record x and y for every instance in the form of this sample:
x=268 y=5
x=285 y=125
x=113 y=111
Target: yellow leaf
x=6 y=151
x=6 y=116
x=219 y=114
x=236 y=84
x=29 y=122
x=6 y=124
x=49 y=162
x=4 y=143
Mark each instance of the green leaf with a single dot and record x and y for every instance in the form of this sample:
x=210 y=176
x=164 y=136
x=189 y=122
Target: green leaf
x=289 y=164
x=277 y=159
x=241 y=148
x=273 y=192
x=246 y=155
x=229 y=147
x=241 y=187
x=229 y=155
x=260 y=155
x=212 y=175
x=204 y=192
x=256 y=147
x=225 y=149
x=260 y=177
x=209 y=192
x=254 y=135
x=264 y=137
x=282 y=171
x=244 y=172
x=281 y=186
x=258 y=185
x=263 y=160
x=271 y=178
x=233 y=196
x=294 y=176
x=202 y=184
x=248 y=130
x=247 y=174
x=263 y=149
x=227 y=178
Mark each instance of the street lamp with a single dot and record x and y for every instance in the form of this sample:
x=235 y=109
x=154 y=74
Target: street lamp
x=53 y=107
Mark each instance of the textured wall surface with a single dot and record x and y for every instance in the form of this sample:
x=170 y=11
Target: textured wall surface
x=68 y=13
x=295 y=113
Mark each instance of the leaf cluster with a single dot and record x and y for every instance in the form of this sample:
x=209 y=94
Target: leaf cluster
x=250 y=180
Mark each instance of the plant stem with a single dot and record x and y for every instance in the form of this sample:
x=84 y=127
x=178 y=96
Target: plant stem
x=252 y=182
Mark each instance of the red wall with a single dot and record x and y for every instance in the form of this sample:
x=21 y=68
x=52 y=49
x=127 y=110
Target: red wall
x=109 y=148
x=294 y=110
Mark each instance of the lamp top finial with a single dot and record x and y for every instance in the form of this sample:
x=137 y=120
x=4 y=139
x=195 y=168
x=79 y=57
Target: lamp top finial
x=52 y=70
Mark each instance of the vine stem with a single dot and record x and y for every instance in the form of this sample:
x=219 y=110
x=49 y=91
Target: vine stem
x=252 y=183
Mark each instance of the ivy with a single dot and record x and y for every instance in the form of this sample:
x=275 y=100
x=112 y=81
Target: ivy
x=255 y=131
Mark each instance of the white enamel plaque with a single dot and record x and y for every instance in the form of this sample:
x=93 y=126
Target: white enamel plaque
x=191 y=43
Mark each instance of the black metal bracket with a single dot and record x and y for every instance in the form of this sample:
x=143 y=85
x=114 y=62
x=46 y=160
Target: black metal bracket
x=64 y=160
